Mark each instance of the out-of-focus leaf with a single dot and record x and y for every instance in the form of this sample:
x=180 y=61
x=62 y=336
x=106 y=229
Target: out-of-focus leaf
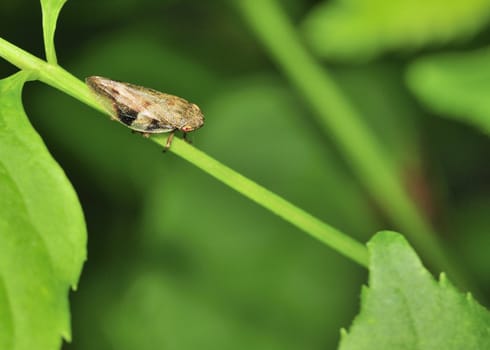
x=51 y=9
x=455 y=86
x=42 y=233
x=359 y=30
x=405 y=308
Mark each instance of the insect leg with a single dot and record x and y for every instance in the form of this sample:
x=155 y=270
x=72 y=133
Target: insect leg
x=169 y=141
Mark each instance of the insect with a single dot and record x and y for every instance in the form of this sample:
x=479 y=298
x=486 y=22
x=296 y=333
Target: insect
x=146 y=110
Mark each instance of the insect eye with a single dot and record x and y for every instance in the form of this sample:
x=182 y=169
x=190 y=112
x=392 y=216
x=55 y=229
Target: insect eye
x=186 y=128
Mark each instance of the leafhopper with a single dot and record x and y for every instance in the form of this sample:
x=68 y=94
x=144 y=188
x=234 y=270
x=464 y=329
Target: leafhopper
x=146 y=110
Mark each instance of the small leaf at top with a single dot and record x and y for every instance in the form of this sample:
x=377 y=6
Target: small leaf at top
x=359 y=30
x=405 y=308
x=51 y=9
x=42 y=232
x=455 y=85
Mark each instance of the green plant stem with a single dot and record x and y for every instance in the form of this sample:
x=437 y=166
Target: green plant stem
x=50 y=74
x=340 y=120
x=48 y=36
x=59 y=78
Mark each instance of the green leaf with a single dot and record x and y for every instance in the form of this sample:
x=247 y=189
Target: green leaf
x=455 y=85
x=51 y=9
x=405 y=308
x=360 y=30
x=42 y=232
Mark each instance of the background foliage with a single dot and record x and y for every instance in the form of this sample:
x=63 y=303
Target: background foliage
x=175 y=257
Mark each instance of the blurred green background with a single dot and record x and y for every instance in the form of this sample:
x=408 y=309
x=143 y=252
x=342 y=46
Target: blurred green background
x=176 y=260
